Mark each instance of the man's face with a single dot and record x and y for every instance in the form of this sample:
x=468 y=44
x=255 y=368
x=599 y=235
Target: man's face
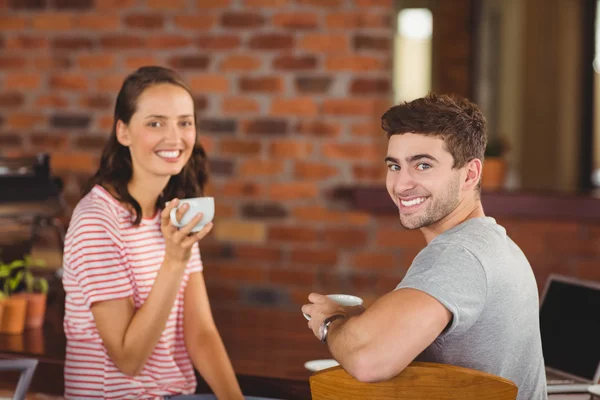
x=421 y=180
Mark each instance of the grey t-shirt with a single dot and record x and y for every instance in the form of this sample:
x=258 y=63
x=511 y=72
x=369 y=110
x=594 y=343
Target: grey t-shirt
x=482 y=277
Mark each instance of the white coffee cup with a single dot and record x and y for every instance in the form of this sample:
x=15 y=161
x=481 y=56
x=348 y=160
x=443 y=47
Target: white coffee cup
x=204 y=205
x=342 y=299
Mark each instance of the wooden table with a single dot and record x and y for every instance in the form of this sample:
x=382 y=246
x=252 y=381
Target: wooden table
x=268 y=349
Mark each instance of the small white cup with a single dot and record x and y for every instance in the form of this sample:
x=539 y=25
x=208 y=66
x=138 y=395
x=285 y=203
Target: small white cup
x=342 y=299
x=204 y=205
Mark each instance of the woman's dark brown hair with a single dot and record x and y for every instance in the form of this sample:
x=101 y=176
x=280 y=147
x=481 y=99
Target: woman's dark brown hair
x=116 y=169
x=455 y=119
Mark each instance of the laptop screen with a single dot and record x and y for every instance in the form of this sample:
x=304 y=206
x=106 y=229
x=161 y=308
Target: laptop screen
x=570 y=327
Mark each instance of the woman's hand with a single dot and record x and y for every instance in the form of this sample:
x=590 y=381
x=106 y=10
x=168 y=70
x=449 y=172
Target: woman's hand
x=179 y=242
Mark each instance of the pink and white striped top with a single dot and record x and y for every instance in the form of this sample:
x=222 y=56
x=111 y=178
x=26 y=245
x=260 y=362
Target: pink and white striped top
x=105 y=258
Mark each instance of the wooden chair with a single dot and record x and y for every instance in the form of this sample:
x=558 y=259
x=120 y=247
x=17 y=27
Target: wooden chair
x=418 y=381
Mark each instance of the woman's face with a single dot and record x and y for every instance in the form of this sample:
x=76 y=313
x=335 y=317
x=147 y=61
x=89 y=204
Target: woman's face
x=161 y=133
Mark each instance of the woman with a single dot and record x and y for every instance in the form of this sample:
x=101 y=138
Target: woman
x=137 y=316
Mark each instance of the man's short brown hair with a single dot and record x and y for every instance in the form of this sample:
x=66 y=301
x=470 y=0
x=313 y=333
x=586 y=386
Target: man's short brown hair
x=455 y=119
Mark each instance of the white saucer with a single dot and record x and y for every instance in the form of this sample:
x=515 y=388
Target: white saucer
x=317 y=365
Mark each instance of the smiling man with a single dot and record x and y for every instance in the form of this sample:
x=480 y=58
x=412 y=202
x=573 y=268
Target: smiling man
x=470 y=297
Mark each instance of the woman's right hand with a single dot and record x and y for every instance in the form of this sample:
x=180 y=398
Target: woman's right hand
x=179 y=242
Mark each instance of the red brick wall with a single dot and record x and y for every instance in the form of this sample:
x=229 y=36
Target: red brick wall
x=289 y=95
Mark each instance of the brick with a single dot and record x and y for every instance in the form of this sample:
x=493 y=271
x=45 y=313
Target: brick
x=239 y=104
x=366 y=86
x=195 y=22
x=12 y=23
x=300 y=106
x=293 y=277
x=368 y=42
x=318 y=128
x=271 y=41
x=21 y=81
x=257 y=253
x=74 y=121
x=11 y=99
x=10 y=140
x=213 y=3
x=293 y=191
x=289 y=62
x=400 y=238
x=53 y=21
x=96 y=142
x=96 y=61
x=26 y=42
x=375 y=172
x=240 y=62
x=12 y=62
x=28 y=4
x=294 y=149
x=69 y=82
x=356 y=20
x=189 y=62
x=296 y=20
x=240 y=231
x=239 y=147
x=218 y=42
x=222 y=293
x=111 y=83
x=207 y=143
x=201 y=103
x=260 y=167
x=168 y=42
x=209 y=83
x=321 y=3
x=167 y=4
x=237 y=271
x=104 y=22
x=261 y=84
x=387 y=4
x=314 y=171
x=220 y=167
x=144 y=21
x=266 y=297
x=78 y=5
x=316 y=84
x=265 y=3
x=292 y=234
x=374 y=260
x=136 y=62
x=121 y=42
x=314 y=257
x=371 y=129
x=242 y=19
x=322 y=214
x=345 y=238
x=264 y=211
x=348 y=107
x=74 y=161
x=97 y=101
x=72 y=43
x=105 y=122
x=242 y=189
x=115 y=4
x=53 y=62
x=352 y=151
x=324 y=43
x=51 y=101
x=49 y=142
x=215 y=125
x=356 y=63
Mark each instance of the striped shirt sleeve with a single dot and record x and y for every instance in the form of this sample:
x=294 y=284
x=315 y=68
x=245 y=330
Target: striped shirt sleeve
x=96 y=258
x=195 y=264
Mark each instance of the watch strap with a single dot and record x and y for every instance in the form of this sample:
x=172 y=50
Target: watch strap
x=326 y=323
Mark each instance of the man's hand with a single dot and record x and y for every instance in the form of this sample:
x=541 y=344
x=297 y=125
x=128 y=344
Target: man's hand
x=323 y=307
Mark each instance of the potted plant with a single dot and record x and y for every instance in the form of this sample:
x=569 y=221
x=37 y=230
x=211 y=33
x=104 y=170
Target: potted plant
x=23 y=290
x=494 y=164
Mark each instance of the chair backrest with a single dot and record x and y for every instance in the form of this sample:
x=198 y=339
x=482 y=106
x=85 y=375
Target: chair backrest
x=26 y=366
x=417 y=381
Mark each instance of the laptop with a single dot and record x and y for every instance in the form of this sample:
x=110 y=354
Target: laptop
x=570 y=330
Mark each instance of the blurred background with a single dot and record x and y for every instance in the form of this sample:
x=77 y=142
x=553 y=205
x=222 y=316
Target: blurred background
x=289 y=96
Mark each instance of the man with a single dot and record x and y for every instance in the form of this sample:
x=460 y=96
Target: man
x=470 y=297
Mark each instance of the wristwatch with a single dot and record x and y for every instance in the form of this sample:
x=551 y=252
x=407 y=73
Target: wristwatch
x=324 y=328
